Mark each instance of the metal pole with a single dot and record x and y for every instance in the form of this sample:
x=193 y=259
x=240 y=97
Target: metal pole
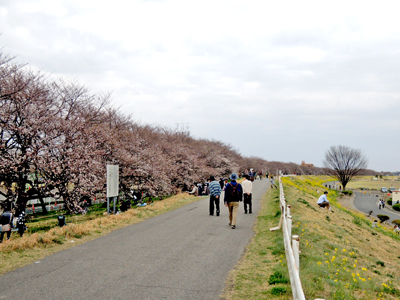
x=108 y=206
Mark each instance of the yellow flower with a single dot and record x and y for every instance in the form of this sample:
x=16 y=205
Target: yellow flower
x=355 y=280
x=327 y=262
x=352 y=274
x=354 y=266
x=335 y=249
x=364 y=269
x=356 y=261
x=344 y=250
x=326 y=253
x=319 y=263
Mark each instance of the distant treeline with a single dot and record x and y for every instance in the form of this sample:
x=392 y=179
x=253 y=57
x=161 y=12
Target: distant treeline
x=57 y=138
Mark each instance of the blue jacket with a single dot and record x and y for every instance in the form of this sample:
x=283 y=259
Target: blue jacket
x=228 y=190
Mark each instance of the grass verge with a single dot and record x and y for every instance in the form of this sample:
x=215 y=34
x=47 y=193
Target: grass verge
x=34 y=246
x=262 y=272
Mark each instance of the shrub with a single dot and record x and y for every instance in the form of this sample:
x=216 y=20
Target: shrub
x=396 y=207
x=348 y=193
x=397 y=222
x=277 y=277
x=389 y=201
x=277 y=291
x=383 y=218
x=381 y=263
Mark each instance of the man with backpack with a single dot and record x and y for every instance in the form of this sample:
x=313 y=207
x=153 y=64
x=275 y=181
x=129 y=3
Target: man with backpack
x=233 y=195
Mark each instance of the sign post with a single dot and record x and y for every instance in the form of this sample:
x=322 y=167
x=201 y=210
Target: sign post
x=112 y=184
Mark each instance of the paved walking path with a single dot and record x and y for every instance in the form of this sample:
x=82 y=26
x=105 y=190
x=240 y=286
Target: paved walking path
x=182 y=254
x=369 y=201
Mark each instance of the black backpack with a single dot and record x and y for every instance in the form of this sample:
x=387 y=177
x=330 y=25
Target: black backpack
x=235 y=192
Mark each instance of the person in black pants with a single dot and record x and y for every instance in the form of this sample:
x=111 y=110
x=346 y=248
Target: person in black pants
x=247 y=190
x=6 y=223
x=215 y=194
x=21 y=224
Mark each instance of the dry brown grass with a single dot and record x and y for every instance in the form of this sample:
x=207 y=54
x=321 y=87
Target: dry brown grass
x=369 y=183
x=18 y=252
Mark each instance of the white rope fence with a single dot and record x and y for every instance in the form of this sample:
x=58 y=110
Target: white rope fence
x=291 y=249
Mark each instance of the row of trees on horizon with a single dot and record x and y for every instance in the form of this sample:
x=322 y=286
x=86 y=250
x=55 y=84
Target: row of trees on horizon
x=57 y=138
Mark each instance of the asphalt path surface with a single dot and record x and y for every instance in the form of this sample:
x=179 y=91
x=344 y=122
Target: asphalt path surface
x=182 y=254
x=369 y=201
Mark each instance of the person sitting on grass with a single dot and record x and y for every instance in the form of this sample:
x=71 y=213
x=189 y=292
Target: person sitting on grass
x=324 y=202
x=195 y=191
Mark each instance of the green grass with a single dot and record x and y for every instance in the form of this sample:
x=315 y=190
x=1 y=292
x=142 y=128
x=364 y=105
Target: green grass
x=262 y=272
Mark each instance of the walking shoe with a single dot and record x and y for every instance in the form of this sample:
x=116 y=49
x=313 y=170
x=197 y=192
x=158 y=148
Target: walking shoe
x=233 y=226
x=217 y=214
x=245 y=212
x=211 y=214
x=230 y=224
x=250 y=212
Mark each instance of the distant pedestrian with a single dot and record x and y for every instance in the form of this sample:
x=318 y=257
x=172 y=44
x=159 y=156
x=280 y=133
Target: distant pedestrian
x=273 y=183
x=247 y=190
x=225 y=183
x=221 y=183
x=215 y=194
x=6 y=221
x=233 y=195
x=21 y=224
x=323 y=201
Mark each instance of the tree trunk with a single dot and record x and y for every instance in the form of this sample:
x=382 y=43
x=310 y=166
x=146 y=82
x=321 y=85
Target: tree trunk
x=43 y=204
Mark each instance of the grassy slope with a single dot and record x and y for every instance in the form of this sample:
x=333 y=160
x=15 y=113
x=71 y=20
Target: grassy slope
x=342 y=256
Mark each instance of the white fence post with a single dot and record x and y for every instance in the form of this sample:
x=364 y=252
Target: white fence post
x=296 y=250
x=289 y=225
x=292 y=251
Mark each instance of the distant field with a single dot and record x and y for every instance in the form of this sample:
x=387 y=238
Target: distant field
x=367 y=182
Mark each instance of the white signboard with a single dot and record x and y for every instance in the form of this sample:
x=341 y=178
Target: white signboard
x=112 y=180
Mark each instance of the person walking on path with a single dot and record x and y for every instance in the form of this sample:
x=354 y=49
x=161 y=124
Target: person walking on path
x=233 y=195
x=6 y=220
x=247 y=190
x=324 y=202
x=273 y=183
x=215 y=194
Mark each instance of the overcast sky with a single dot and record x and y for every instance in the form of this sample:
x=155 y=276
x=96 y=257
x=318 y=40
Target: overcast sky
x=281 y=80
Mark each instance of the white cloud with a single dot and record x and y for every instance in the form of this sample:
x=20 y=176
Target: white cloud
x=291 y=78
